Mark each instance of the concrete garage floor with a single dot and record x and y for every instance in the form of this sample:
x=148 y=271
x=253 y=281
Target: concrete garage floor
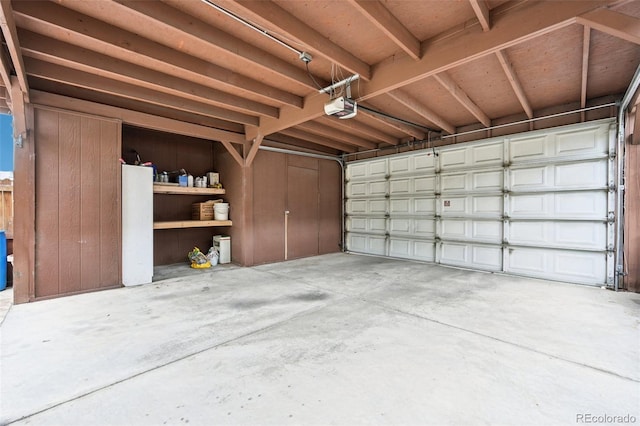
x=336 y=339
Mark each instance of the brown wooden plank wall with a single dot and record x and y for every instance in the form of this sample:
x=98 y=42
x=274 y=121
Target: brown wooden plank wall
x=310 y=189
x=6 y=207
x=77 y=192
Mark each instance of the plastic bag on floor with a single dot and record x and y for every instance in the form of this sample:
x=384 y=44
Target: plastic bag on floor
x=213 y=256
x=198 y=259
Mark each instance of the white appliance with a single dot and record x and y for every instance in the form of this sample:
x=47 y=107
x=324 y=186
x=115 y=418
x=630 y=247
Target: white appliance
x=137 y=225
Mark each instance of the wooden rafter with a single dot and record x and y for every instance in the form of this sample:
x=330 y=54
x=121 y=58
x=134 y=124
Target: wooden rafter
x=292 y=27
x=82 y=79
x=420 y=109
x=515 y=83
x=329 y=132
x=515 y=27
x=357 y=127
x=186 y=33
x=404 y=128
x=482 y=12
x=461 y=96
x=63 y=24
x=233 y=152
x=319 y=140
x=40 y=47
x=613 y=23
x=136 y=118
x=5 y=72
x=11 y=38
x=586 y=41
x=380 y=16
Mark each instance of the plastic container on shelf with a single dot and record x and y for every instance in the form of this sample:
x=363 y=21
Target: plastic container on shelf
x=221 y=211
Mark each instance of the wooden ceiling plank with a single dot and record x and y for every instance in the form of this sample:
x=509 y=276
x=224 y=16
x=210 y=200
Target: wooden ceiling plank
x=482 y=12
x=339 y=135
x=515 y=82
x=420 y=109
x=81 y=79
x=292 y=27
x=63 y=24
x=319 y=140
x=461 y=96
x=135 y=118
x=196 y=36
x=586 y=42
x=40 y=47
x=512 y=28
x=613 y=23
x=404 y=128
x=10 y=33
x=380 y=16
x=355 y=126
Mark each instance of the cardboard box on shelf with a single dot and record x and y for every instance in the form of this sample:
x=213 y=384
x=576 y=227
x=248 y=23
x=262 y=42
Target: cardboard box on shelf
x=203 y=211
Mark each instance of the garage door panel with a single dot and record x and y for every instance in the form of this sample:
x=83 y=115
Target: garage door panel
x=574 y=266
x=484 y=257
x=375 y=169
x=375 y=225
x=368 y=244
x=477 y=155
x=412 y=227
x=412 y=206
x=563 y=205
x=558 y=177
x=472 y=205
x=577 y=235
x=367 y=189
x=487 y=180
x=471 y=230
x=412 y=185
x=412 y=249
x=423 y=163
x=575 y=142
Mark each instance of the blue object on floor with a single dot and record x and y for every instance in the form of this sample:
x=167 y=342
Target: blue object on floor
x=3 y=261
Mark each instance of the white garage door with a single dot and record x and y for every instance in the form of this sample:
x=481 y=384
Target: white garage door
x=538 y=204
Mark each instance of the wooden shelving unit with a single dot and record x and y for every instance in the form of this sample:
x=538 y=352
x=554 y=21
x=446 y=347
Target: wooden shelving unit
x=190 y=224
x=185 y=190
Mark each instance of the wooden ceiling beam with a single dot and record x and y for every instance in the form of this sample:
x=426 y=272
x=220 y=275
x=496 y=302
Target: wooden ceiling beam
x=57 y=52
x=481 y=10
x=188 y=34
x=357 y=127
x=586 y=41
x=135 y=118
x=72 y=27
x=461 y=96
x=404 y=128
x=424 y=112
x=5 y=69
x=273 y=16
x=515 y=82
x=380 y=16
x=319 y=140
x=133 y=105
x=339 y=135
x=512 y=28
x=10 y=33
x=286 y=142
x=82 y=79
x=613 y=23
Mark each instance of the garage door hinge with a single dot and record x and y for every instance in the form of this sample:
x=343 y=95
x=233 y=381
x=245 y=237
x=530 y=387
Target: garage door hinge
x=612 y=187
x=387 y=215
x=611 y=217
x=610 y=248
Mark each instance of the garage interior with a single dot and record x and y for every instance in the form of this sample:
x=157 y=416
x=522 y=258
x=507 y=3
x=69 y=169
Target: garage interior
x=460 y=153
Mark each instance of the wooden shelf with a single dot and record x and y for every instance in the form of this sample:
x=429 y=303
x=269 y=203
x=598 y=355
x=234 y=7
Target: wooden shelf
x=186 y=190
x=190 y=223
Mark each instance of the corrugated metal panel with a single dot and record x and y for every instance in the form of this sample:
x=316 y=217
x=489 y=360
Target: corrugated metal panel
x=537 y=204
